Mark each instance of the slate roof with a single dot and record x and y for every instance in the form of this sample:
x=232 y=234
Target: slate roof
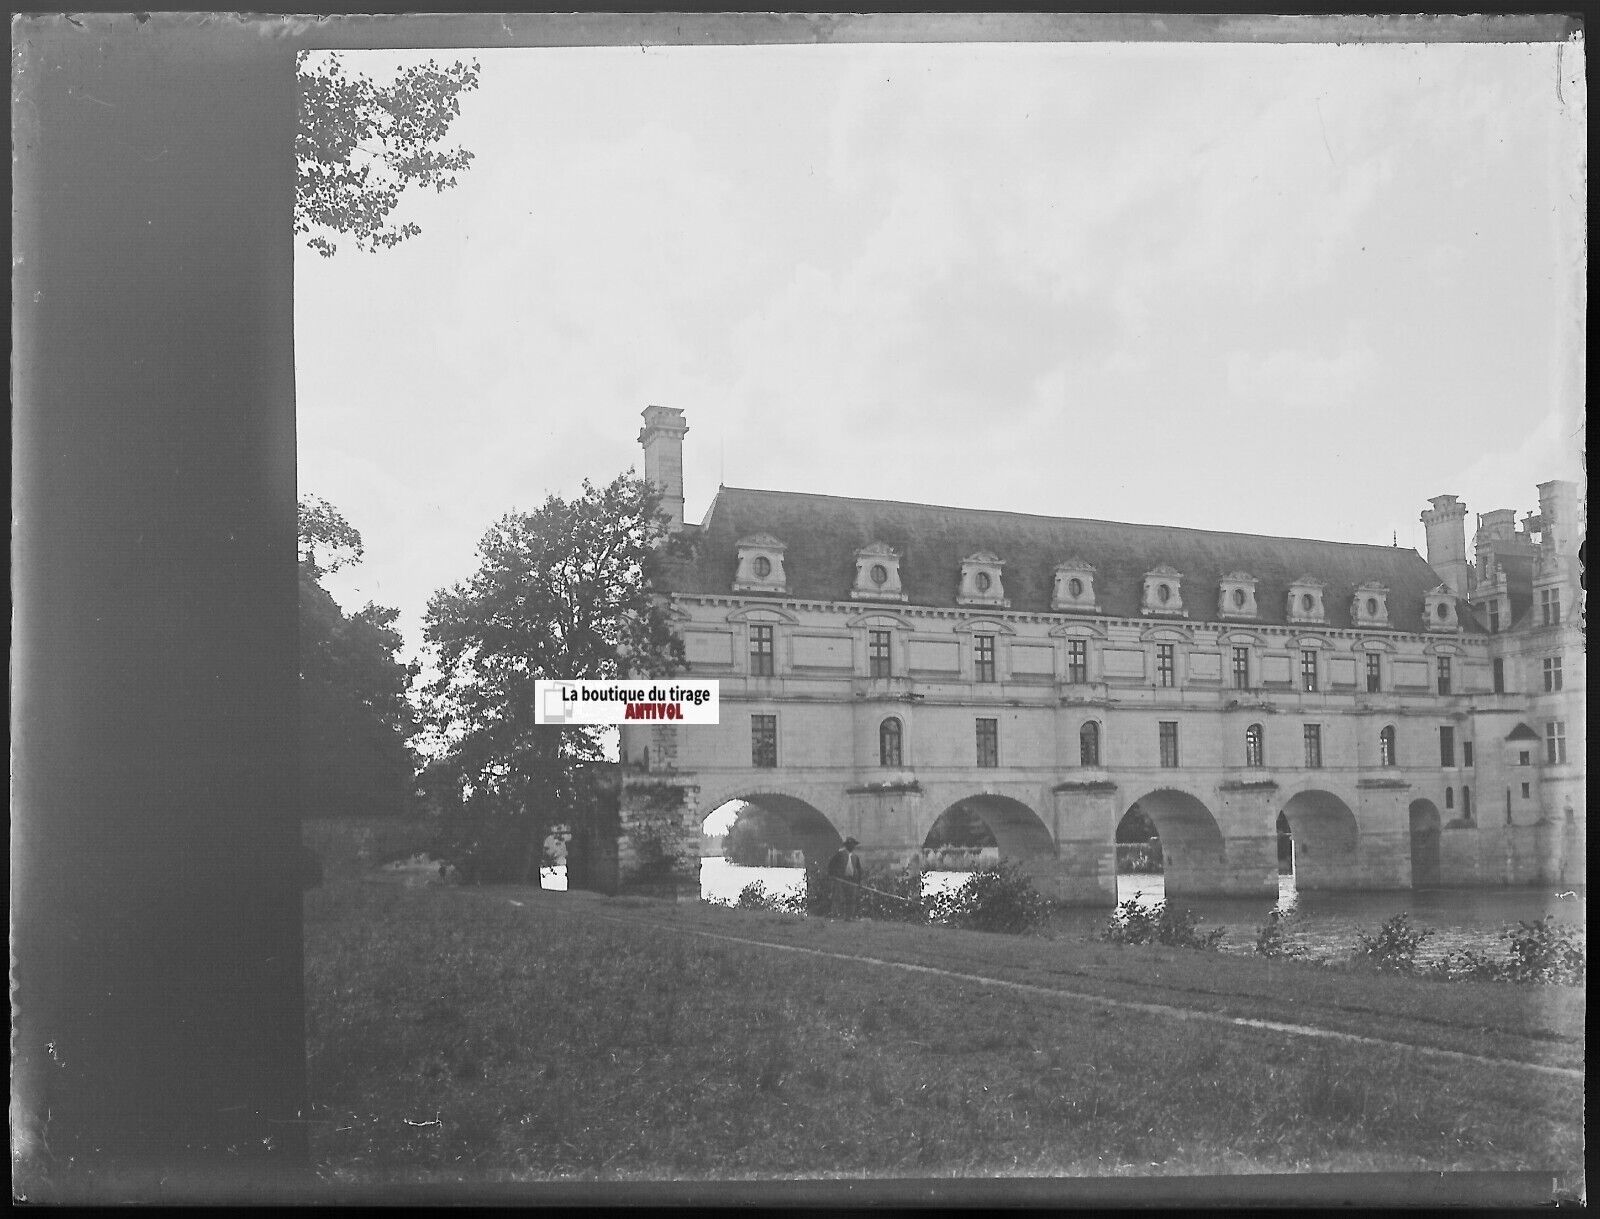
x=823 y=533
x=1516 y=558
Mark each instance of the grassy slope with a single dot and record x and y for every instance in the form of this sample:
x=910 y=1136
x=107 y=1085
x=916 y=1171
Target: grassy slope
x=456 y=1037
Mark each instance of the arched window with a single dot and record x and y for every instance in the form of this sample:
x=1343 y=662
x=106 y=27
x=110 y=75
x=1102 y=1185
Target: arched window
x=1089 y=744
x=1466 y=803
x=1449 y=797
x=889 y=742
x=1386 y=746
x=1254 y=746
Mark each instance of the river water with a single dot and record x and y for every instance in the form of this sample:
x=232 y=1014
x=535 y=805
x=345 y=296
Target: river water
x=1325 y=924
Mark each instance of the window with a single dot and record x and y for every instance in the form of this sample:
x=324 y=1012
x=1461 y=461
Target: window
x=1449 y=797
x=889 y=742
x=1077 y=661
x=1241 y=668
x=1466 y=753
x=1550 y=606
x=1508 y=806
x=1447 y=747
x=1374 y=672
x=1466 y=803
x=763 y=567
x=761 y=651
x=1313 y=734
x=1164 y=664
x=1443 y=669
x=1552 y=672
x=1308 y=670
x=878 y=654
x=983 y=657
x=1254 y=746
x=1524 y=758
x=1386 y=753
x=1169 y=743
x=1499 y=675
x=1555 y=742
x=1089 y=744
x=1524 y=791
x=1494 y=616
x=988 y=742
x=764 y=741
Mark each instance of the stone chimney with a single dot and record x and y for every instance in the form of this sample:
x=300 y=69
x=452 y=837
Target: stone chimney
x=1446 y=524
x=662 y=438
x=1558 y=517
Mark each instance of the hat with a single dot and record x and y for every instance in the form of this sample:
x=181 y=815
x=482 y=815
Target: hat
x=851 y=842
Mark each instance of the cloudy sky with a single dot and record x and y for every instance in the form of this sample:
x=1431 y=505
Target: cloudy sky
x=1291 y=290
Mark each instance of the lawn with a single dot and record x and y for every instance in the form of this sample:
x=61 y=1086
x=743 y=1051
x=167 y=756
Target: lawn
x=457 y=1037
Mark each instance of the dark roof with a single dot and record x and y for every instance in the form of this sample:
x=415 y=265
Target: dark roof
x=823 y=532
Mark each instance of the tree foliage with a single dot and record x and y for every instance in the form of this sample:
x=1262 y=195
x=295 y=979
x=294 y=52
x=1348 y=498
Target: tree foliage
x=560 y=593
x=356 y=719
x=362 y=144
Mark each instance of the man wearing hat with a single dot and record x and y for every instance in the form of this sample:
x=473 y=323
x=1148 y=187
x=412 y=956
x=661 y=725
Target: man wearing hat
x=845 y=869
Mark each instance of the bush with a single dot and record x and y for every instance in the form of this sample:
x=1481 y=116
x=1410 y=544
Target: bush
x=1001 y=898
x=1540 y=951
x=1273 y=936
x=756 y=896
x=904 y=884
x=1136 y=923
x=1395 y=945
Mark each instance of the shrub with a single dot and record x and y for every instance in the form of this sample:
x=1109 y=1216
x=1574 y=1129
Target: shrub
x=1001 y=898
x=756 y=896
x=1540 y=951
x=1395 y=945
x=1273 y=936
x=1133 y=922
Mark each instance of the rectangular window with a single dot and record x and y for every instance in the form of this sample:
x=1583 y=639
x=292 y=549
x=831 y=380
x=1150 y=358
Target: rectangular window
x=1552 y=672
x=761 y=651
x=988 y=742
x=1555 y=742
x=1308 y=670
x=1499 y=675
x=1494 y=616
x=1169 y=743
x=1077 y=661
x=1165 y=664
x=1443 y=669
x=1313 y=734
x=1550 y=606
x=1524 y=791
x=1374 y=672
x=878 y=654
x=1241 y=668
x=983 y=657
x=764 y=741
x=1447 y=747
x=1466 y=753
x=1524 y=758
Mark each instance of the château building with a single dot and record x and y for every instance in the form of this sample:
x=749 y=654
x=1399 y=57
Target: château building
x=1415 y=722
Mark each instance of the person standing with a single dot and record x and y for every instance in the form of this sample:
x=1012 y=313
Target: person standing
x=845 y=870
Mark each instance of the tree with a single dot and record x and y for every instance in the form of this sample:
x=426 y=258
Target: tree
x=362 y=144
x=561 y=593
x=356 y=719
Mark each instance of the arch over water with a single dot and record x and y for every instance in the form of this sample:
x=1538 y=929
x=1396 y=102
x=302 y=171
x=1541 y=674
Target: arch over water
x=1192 y=851
x=1325 y=836
x=1426 y=872
x=1019 y=832
x=805 y=827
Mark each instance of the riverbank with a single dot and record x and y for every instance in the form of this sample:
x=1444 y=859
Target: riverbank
x=524 y=1035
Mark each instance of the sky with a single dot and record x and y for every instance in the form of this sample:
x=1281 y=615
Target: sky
x=1293 y=290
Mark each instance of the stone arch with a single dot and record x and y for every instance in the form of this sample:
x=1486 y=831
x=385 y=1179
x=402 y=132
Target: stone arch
x=808 y=828
x=1020 y=833
x=1192 y=850
x=1325 y=834
x=1426 y=872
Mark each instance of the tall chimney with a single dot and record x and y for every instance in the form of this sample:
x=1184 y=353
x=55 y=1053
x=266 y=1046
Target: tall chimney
x=1446 y=524
x=1558 y=512
x=662 y=438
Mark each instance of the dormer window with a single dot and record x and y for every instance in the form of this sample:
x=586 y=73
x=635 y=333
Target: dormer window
x=1370 y=605
x=760 y=568
x=1305 y=601
x=1237 y=596
x=877 y=574
x=1074 y=588
x=1439 y=610
x=1163 y=591
x=980 y=581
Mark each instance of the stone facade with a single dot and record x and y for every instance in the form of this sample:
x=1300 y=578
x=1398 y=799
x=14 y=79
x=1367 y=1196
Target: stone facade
x=1356 y=690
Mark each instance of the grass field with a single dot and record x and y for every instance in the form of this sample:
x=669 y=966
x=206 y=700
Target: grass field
x=457 y=1037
